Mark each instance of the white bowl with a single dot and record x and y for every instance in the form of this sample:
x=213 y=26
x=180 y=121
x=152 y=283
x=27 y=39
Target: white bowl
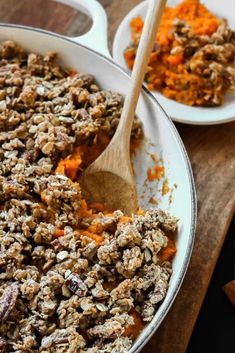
x=177 y=111
x=161 y=138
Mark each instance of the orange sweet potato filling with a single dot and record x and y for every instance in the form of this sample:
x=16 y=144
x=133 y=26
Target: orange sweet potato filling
x=124 y=219
x=134 y=330
x=82 y=156
x=69 y=166
x=96 y=237
x=58 y=232
x=167 y=73
x=191 y=11
x=167 y=253
x=155 y=173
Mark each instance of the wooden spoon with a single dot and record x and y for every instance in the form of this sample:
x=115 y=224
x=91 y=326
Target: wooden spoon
x=109 y=179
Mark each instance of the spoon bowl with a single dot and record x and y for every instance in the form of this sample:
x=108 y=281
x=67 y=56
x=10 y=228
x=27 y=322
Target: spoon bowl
x=109 y=179
x=117 y=194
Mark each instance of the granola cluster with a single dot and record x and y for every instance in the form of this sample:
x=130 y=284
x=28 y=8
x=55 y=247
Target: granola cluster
x=209 y=58
x=69 y=281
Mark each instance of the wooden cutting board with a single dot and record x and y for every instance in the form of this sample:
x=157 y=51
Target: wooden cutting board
x=211 y=150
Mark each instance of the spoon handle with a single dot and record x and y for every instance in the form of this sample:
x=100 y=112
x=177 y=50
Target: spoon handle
x=148 y=37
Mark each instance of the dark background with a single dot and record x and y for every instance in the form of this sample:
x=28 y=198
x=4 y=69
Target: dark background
x=215 y=327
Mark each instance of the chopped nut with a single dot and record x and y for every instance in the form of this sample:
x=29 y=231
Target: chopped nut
x=3 y=345
x=76 y=285
x=8 y=301
x=48 y=147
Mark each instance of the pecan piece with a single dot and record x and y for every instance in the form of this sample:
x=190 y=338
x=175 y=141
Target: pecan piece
x=3 y=345
x=57 y=337
x=76 y=285
x=8 y=301
x=56 y=244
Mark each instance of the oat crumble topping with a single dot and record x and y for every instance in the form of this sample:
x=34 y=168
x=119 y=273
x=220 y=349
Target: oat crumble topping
x=72 y=279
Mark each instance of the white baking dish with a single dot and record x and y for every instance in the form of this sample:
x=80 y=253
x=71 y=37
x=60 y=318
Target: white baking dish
x=161 y=137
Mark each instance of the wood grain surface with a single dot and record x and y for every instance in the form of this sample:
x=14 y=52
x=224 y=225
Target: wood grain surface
x=211 y=150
